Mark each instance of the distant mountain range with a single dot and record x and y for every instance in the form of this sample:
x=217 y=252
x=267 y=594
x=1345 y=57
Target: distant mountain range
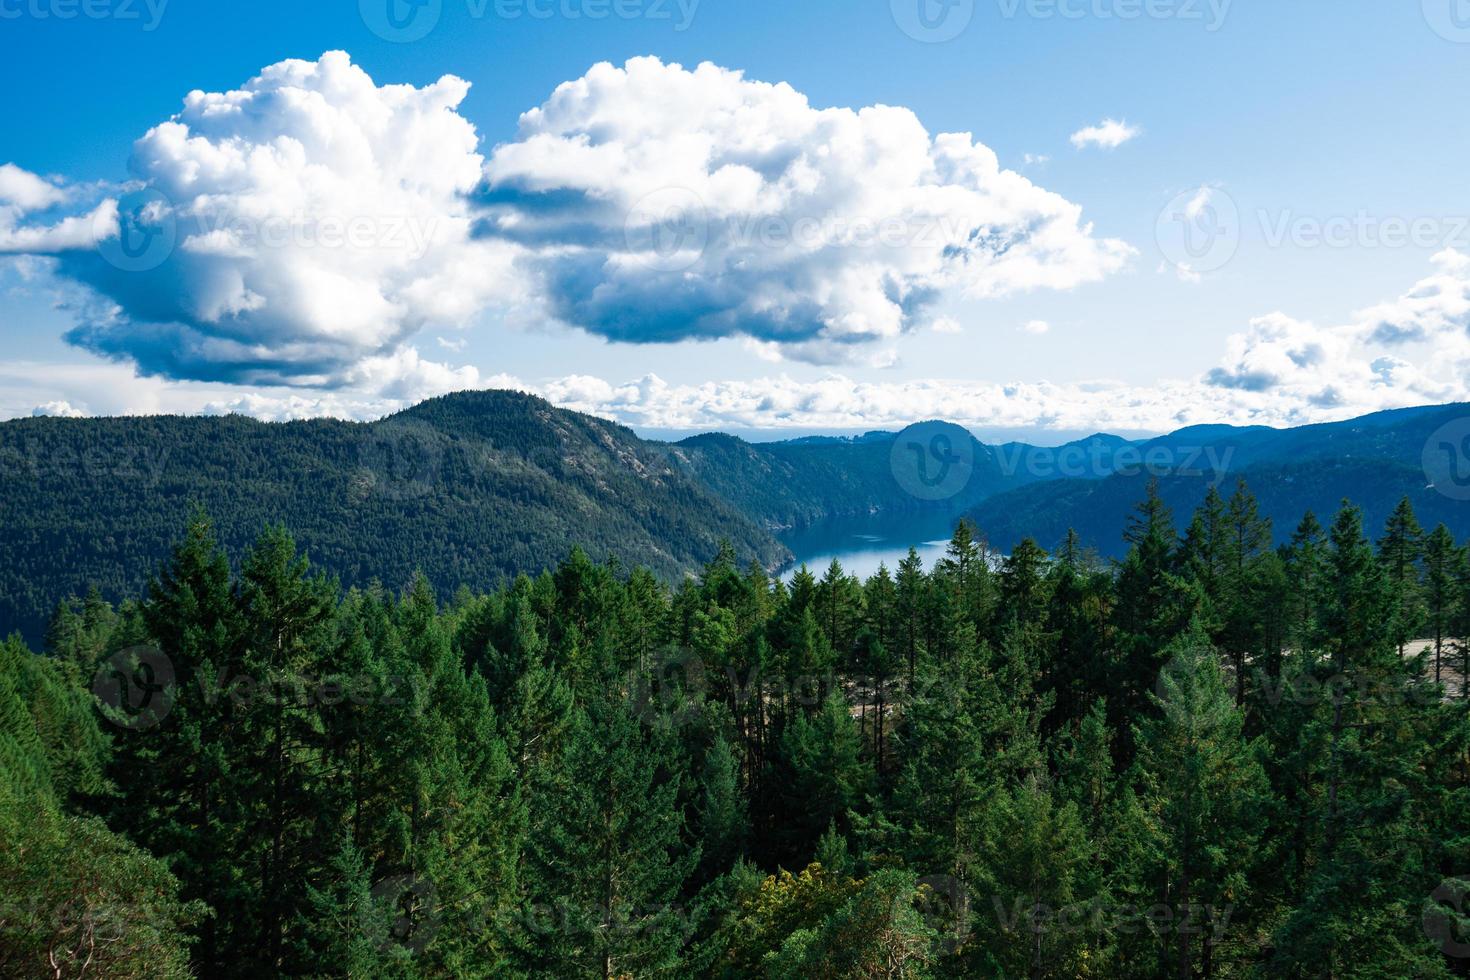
x=1375 y=461
x=476 y=486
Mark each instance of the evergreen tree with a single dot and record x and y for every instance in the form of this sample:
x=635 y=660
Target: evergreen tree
x=966 y=572
x=877 y=932
x=1202 y=786
x=275 y=782
x=1077 y=618
x=824 y=775
x=1400 y=549
x=1441 y=559
x=609 y=859
x=74 y=896
x=910 y=609
x=839 y=610
x=1152 y=607
x=724 y=824
x=1036 y=856
x=1023 y=586
x=1306 y=561
x=178 y=778
x=1371 y=727
x=944 y=780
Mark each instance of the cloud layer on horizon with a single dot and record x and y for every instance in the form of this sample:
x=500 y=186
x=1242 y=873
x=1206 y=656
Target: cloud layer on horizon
x=1280 y=371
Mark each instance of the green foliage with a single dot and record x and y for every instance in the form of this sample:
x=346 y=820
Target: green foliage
x=74 y=896
x=1209 y=760
x=473 y=488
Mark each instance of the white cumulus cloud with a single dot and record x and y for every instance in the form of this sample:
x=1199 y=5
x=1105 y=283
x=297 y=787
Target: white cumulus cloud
x=316 y=220
x=57 y=409
x=657 y=203
x=1108 y=134
x=304 y=228
x=22 y=193
x=26 y=191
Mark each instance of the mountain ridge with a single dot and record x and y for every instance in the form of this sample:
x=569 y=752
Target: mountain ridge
x=474 y=486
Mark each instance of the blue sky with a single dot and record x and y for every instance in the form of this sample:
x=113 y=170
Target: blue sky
x=1303 y=112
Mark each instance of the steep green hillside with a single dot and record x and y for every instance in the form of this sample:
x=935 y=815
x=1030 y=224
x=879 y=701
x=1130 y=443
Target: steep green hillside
x=791 y=484
x=469 y=488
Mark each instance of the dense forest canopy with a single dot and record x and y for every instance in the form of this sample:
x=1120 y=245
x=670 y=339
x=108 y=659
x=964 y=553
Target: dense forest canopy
x=1214 y=758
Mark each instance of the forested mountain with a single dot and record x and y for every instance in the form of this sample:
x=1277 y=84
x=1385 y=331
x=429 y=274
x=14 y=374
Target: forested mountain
x=477 y=486
x=469 y=488
x=1376 y=460
x=802 y=481
x=1214 y=759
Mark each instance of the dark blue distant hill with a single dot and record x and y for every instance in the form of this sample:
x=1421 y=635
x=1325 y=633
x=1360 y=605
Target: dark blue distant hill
x=1374 y=461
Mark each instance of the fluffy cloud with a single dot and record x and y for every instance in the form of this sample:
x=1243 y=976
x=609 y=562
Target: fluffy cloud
x=1354 y=366
x=24 y=190
x=288 y=232
x=1278 y=351
x=1108 y=135
x=1436 y=310
x=841 y=402
x=314 y=222
x=661 y=204
x=22 y=195
x=301 y=230
x=60 y=409
x=376 y=387
x=1279 y=371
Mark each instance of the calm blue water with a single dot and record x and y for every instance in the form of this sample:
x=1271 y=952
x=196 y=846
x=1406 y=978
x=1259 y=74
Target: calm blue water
x=862 y=544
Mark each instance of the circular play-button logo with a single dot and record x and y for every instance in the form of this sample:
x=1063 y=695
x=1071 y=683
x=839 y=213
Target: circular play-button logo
x=933 y=460
x=933 y=21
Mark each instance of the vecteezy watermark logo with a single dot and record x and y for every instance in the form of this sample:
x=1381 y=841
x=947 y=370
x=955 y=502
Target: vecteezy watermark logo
x=1169 y=685
x=401 y=21
x=136 y=465
x=668 y=230
x=1307 y=688
x=1095 y=460
x=122 y=10
x=401 y=460
x=415 y=904
x=1447 y=459
x=1450 y=19
x=671 y=688
x=1364 y=230
x=1210 y=13
x=944 y=902
x=1445 y=920
x=1199 y=231
x=1024 y=914
x=145 y=234
x=933 y=460
x=136 y=687
x=933 y=21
